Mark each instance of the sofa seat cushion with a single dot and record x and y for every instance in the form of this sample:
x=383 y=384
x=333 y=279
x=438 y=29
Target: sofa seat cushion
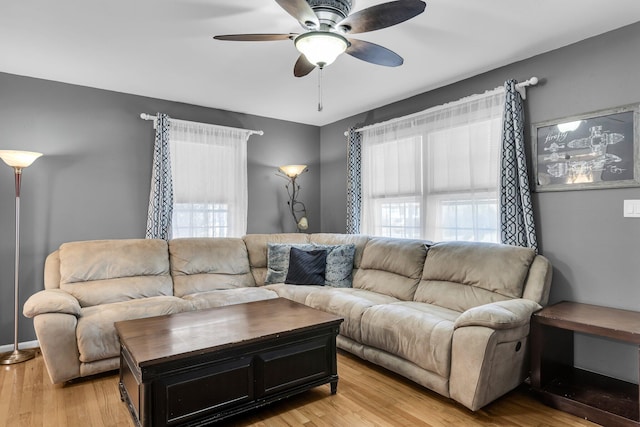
x=348 y=303
x=96 y=333
x=203 y=300
x=420 y=333
x=107 y=271
x=205 y=264
x=297 y=293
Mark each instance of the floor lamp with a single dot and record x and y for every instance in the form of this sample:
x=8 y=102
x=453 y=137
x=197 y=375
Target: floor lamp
x=297 y=208
x=18 y=160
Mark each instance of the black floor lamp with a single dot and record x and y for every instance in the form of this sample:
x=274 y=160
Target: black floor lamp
x=18 y=160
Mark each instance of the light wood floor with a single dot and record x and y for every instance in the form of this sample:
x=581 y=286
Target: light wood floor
x=367 y=396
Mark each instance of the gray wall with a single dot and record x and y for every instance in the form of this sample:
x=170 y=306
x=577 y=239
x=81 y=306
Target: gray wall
x=594 y=250
x=93 y=180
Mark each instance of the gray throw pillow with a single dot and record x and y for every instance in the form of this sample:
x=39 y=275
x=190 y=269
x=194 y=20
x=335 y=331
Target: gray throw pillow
x=278 y=260
x=339 y=271
x=339 y=268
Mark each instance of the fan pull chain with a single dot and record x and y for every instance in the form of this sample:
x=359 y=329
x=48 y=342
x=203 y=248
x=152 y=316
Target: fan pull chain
x=320 y=89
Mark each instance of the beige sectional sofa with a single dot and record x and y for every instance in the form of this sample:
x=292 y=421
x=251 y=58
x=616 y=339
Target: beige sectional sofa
x=453 y=317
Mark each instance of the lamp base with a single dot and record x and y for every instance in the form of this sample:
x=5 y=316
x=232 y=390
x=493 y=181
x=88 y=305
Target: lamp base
x=17 y=356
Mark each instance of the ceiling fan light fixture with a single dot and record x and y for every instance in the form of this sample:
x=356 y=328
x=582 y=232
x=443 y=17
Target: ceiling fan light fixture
x=321 y=47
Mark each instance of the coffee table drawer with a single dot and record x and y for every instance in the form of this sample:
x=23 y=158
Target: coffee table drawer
x=197 y=392
x=293 y=365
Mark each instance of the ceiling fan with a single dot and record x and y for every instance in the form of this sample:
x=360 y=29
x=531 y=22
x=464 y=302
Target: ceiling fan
x=326 y=24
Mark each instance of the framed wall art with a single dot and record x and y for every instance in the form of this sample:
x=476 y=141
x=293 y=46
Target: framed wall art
x=589 y=151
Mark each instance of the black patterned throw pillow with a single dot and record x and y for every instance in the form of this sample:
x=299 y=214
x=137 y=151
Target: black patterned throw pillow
x=306 y=267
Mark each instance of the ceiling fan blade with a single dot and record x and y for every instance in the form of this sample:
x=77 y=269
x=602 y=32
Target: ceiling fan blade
x=300 y=10
x=256 y=37
x=303 y=67
x=381 y=16
x=373 y=53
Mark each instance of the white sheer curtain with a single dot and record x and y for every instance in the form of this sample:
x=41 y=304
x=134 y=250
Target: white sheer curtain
x=435 y=174
x=209 y=167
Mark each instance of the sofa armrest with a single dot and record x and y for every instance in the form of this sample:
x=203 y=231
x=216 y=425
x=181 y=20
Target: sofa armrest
x=56 y=334
x=499 y=315
x=51 y=301
x=489 y=351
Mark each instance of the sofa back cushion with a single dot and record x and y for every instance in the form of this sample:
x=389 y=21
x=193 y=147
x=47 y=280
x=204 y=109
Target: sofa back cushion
x=208 y=264
x=359 y=240
x=106 y=271
x=391 y=266
x=538 y=283
x=52 y=270
x=462 y=275
x=257 y=249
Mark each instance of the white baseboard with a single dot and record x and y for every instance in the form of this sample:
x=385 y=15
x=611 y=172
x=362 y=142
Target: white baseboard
x=9 y=347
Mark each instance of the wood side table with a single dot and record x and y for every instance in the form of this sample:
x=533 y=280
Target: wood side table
x=596 y=397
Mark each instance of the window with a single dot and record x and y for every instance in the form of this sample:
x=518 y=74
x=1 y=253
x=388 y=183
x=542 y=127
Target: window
x=200 y=220
x=469 y=219
x=209 y=167
x=399 y=218
x=435 y=175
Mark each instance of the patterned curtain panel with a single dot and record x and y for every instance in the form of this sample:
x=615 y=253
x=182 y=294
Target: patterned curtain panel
x=516 y=212
x=161 y=194
x=354 y=181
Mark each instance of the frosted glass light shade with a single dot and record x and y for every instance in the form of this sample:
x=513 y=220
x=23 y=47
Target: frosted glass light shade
x=303 y=224
x=292 y=171
x=321 y=48
x=19 y=159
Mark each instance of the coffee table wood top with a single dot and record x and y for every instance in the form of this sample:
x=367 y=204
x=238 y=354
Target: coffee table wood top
x=158 y=339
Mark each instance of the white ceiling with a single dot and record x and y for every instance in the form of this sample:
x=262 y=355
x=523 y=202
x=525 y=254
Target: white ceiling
x=164 y=49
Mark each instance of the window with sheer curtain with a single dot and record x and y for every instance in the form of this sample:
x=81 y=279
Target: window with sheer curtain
x=434 y=175
x=209 y=169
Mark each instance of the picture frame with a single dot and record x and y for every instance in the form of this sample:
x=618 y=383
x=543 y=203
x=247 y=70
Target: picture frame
x=594 y=150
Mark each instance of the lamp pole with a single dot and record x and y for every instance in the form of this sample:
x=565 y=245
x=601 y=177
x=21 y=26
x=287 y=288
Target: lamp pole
x=18 y=160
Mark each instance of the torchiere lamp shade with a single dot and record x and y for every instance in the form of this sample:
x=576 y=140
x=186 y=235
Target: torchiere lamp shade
x=292 y=171
x=19 y=159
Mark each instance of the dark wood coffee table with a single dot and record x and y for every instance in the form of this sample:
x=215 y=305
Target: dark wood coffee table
x=194 y=368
